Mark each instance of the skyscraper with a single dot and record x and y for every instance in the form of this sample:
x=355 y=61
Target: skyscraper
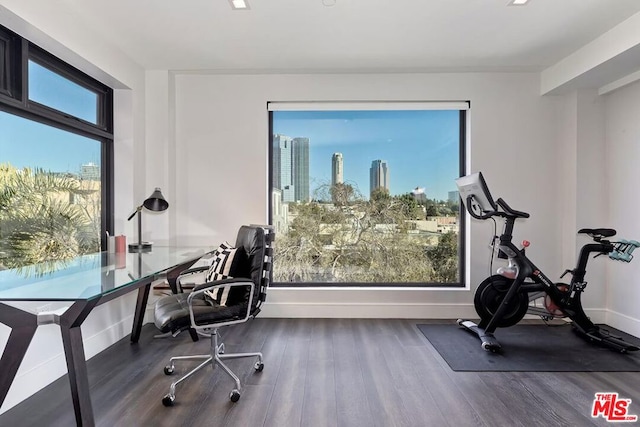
x=291 y=167
x=300 y=169
x=282 y=166
x=378 y=175
x=337 y=171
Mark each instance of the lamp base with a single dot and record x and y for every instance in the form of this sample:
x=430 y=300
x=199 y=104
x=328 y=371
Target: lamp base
x=140 y=247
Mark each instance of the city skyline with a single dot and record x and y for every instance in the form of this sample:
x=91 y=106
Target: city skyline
x=420 y=147
x=45 y=147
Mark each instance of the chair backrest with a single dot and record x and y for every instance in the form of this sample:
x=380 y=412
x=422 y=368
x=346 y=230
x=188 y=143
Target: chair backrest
x=257 y=242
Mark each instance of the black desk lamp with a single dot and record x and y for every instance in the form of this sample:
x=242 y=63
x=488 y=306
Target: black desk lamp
x=155 y=202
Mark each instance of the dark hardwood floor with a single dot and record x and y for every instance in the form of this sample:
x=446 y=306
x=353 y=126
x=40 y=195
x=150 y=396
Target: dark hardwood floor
x=321 y=372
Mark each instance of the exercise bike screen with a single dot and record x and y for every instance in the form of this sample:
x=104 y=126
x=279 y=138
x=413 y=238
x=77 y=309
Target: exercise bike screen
x=474 y=185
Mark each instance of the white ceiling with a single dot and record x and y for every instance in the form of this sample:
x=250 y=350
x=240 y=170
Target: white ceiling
x=350 y=36
x=360 y=35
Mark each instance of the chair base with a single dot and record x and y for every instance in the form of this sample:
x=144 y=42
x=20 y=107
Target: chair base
x=216 y=357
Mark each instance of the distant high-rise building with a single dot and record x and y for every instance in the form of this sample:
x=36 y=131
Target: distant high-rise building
x=337 y=170
x=378 y=175
x=282 y=166
x=291 y=167
x=454 y=196
x=90 y=172
x=300 y=169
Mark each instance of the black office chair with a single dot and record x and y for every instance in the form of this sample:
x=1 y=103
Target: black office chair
x=236 y=287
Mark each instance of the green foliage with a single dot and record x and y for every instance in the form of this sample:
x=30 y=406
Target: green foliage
x=444 y=258
x=358 y=240
x=380 y=194
x=38 y=223
x=409 y=207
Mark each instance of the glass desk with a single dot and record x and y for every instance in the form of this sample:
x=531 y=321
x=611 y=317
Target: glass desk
x=65 y=293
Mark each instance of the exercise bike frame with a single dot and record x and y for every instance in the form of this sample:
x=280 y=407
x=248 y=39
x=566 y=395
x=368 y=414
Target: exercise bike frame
x=530 y=279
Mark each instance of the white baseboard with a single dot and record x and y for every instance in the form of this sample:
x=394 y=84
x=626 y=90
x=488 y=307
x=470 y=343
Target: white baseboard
x=596 y=315
x=360 y=311
x=389 y=311
x=368 y=310
x=628 y=324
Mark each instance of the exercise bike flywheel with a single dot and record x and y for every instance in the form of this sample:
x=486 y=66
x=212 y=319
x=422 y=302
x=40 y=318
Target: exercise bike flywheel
x=490 y=295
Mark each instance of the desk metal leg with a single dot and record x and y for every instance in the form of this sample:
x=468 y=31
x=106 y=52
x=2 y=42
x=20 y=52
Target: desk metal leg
x=70 y=323
x=23 y=327
x=141 y=307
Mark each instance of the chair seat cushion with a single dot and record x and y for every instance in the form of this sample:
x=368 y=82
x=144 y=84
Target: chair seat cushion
x=172 y=312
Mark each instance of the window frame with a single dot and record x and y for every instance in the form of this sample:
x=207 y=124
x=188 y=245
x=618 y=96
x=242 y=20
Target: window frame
x=15 y=100
x=10 y=65
x=465 y=106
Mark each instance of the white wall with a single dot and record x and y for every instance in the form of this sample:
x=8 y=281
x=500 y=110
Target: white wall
x=76 y=44
x=622 y=110
x=222 y=160
x=582 y=196
x=599 y=152
x=591 y=182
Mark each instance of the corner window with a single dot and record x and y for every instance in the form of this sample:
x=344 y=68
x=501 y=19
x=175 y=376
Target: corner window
x=364 y=193
x=56 y=151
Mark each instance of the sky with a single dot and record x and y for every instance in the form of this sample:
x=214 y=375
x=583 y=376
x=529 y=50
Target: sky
x=421 y=148
x=25 y=143
x=30 y=144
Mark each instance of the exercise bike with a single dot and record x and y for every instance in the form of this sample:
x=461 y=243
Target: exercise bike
x=503 y=299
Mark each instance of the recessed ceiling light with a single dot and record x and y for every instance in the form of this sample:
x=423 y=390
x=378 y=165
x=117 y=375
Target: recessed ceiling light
x=517 y=2
x=239 y=4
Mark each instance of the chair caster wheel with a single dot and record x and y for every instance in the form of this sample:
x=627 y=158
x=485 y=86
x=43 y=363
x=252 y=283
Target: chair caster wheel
x=259 y=366
x=168 y=370
x=234 y=395
x=168 y=400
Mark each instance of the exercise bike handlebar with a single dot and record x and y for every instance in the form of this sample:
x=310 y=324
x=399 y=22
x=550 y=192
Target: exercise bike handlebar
x=506 y=212
x=511 y=212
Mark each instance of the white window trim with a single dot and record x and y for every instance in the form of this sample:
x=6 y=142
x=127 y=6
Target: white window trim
x=366 y=105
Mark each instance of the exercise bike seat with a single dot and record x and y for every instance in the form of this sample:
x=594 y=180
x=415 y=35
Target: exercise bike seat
x=598 y=232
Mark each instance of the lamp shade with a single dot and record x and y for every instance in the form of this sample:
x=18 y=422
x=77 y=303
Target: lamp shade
x=156 y=201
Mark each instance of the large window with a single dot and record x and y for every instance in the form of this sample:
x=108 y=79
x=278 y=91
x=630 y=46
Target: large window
x=365 y=194
x=56 y=150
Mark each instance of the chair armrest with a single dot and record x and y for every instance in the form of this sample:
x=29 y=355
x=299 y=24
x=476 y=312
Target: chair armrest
x=201 y=289
x=191 y=276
